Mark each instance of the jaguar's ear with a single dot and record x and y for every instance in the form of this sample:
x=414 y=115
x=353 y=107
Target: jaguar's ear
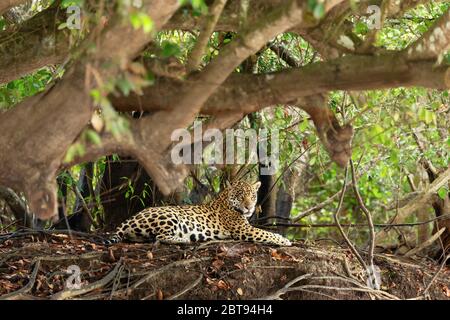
x=256 y=185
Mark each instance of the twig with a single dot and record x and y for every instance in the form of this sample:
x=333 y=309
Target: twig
x=70 y=293
x=347 y=269
x=367 y=214
x=277 y=294
x=419 y=201
x=367 y=290
x=187 y=288
x=425 y=244
x=85 y=206
x=30 y=232
x=9 y=225
x=321 y=205
x=116 y=282
x=162 y=269
x=353 y=225
x=336 y=219
x=89 y=255
x=205 y=33
x=21 y=293
x=284 y=171
x=444 y=262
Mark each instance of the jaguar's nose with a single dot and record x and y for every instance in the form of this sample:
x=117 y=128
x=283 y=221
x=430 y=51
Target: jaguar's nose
x=248 y=209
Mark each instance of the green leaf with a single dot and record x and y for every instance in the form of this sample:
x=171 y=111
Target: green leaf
x=141 y=20
x=135 y=21
x=147 y=23
x=76 y=149
x=303 y=125
x=68 y=3
x=422 y=28
x=426 y=116
x=199 y=6
x=442 y=193
x=279 y=113
x=361 y=28
x=170 y=49
x=319 y=11
x=93 y=137
x=125 y=86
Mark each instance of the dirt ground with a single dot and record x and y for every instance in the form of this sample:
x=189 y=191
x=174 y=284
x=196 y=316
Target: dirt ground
x=50 y=266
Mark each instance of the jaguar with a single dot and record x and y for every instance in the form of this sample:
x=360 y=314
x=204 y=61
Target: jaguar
x=225 y=217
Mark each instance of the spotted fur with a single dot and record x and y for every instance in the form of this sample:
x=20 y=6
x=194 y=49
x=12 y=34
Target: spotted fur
x=223 y=218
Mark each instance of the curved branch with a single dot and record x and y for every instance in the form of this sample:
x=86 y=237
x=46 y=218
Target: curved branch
x=251 y=92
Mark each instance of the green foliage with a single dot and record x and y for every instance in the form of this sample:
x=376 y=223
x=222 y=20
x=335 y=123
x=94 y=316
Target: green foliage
x=442 y=193
x=68 y=3
x=17 y=90
x=169 y=49
x=199 y=6
x=141 y=20
x=2 y=24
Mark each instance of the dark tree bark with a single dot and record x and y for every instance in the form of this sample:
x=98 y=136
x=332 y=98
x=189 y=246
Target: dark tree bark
x=267 y=197
x=114 y=187
x=17 y=207
x=62 y=197
x=81 y=218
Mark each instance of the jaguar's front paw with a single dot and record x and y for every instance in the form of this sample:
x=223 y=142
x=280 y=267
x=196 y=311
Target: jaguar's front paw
x=282 y=241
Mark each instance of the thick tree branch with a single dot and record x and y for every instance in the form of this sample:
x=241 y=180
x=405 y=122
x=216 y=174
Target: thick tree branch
x=249 y=92
x=35 y=44
x=336 y=139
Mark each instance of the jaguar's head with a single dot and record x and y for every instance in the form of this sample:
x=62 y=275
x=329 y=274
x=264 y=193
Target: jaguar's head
x=242 y=197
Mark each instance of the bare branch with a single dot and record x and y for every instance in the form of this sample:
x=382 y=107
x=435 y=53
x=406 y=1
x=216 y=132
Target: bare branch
x=434 y=42
x=367 y=214
x=336 y=219
x=16 y=295
x=419 y=201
